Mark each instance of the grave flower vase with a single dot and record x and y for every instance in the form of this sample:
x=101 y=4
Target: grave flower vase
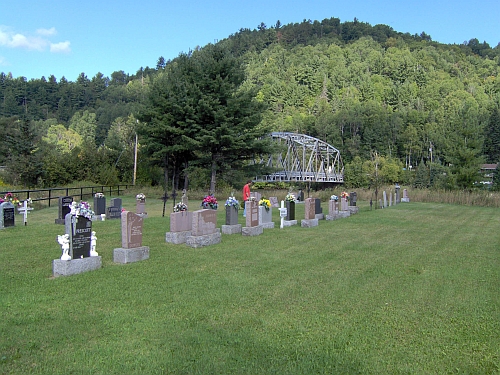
x=290 y=211
x=231 y=215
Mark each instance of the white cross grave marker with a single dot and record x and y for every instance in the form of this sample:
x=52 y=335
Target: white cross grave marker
x=24 y=210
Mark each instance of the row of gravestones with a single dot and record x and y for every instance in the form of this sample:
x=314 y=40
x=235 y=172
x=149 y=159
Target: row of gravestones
x=199 y=228
x=101 y=211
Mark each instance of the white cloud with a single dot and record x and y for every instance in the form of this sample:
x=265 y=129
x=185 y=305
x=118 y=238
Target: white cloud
x=60 y=47
x=47 y=32
x=38 y=42
x=3 y=61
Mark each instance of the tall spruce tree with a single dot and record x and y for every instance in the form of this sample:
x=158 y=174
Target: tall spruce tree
x=197 y=110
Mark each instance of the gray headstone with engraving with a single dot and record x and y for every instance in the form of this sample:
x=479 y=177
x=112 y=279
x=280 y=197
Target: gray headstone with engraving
x=7 y=215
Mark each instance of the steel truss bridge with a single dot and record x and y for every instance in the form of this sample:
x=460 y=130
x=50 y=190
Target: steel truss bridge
x=301 y=158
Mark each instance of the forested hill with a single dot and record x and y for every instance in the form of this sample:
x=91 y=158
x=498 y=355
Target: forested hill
x=362 y=88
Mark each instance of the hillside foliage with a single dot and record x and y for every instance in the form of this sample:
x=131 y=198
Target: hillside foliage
x=430 y=109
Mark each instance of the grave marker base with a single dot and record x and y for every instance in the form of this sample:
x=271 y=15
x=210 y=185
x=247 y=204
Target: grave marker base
x=75 y=266
x=177 y=237
x=136 y=254
x=252 y=231
x=320 y=216
x=353 y=209
x=309 y=223
x=289 y=223
x=269 y=225
x=204 y=240
x=338 y=215
x=231 y=229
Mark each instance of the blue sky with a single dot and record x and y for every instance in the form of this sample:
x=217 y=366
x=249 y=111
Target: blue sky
x=66 y=37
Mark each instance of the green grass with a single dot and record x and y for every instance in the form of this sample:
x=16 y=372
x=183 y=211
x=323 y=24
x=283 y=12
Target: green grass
x=411 y=289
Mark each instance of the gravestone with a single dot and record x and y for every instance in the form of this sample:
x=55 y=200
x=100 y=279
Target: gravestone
x=398 y=194
x=384 y=195
x=344 y=204
x=405 y=198
x=310 y=214
x=300 y=196
x=290 y=214
x=334 y=213
x=274 y=202
x=390 y=199
x=353 y=198
x=252 y=219
x=252 y=227
x=318 y=209
x=256 y=195
x=140 y=208
x=99 y=205
x=132 y=249
x=7 y=215
x=115 y=209
x=231 y=226
x=266 y=217
x=24 y=209
x=204 y=231
x=64 y=209
x=79 y=229
x=181 y=224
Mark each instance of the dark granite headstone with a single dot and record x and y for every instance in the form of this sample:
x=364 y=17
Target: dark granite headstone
x=115 y=210
x=353 y=198
x=79 y=229
x=317 y=206
x=99 y=205
x=300 y=196
x=7 y=215
x=64 y=208
x=290 y=211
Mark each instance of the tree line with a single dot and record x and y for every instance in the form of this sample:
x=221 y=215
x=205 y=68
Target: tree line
x=428 y=112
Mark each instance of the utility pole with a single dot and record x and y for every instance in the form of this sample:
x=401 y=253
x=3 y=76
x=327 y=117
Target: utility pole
x=135 y=156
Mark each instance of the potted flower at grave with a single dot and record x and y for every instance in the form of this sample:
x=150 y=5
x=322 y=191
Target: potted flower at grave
x=179 y=207
x=290 y=206
x=334 y=198
x=232 y=206
x=265 y=214
x=266 y=203
x=82 y=209
x=209 y=202
x=9 y=197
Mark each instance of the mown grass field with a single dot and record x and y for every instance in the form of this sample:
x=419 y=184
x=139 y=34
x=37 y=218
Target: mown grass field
x=411 y=289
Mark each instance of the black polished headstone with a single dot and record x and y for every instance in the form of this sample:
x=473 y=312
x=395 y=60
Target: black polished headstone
x=79 y=229
x=317 y=206
x=64 y=208
x=99 y=205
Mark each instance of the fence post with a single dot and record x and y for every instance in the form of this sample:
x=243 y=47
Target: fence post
x=50 y=194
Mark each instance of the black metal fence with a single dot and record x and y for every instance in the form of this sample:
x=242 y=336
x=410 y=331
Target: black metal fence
x=40 y=195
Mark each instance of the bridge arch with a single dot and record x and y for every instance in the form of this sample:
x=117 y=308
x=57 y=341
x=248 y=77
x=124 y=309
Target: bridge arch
x=301 y=158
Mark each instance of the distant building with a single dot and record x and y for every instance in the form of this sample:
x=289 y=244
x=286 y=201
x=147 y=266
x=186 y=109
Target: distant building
x=487 y=171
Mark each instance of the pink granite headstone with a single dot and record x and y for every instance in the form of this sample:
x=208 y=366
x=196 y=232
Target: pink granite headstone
x=252 y=219
x=204 y=222
x=181 y=221
x=131 y=230
x=310 y=208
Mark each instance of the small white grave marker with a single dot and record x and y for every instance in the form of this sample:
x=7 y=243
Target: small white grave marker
x=24 y=210
x=282 y=213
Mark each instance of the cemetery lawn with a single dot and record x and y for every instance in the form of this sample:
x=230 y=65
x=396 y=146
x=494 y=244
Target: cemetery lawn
x=410 y=289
